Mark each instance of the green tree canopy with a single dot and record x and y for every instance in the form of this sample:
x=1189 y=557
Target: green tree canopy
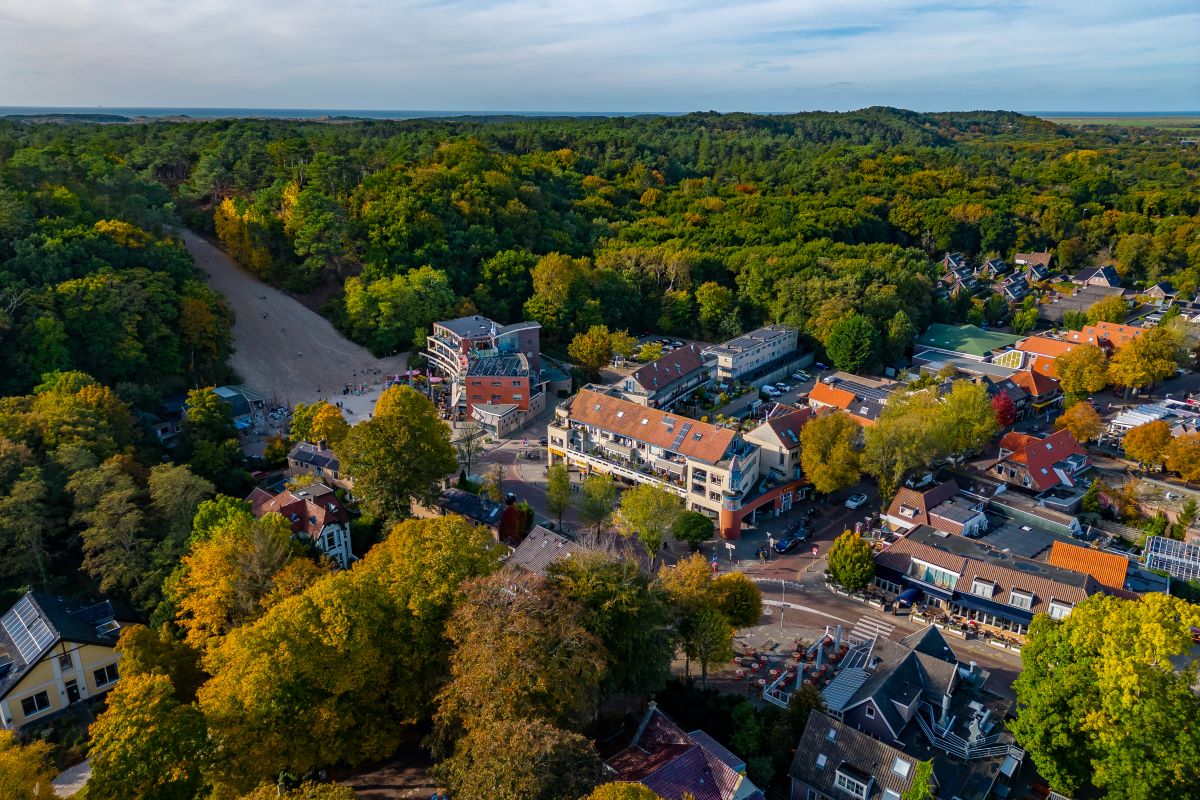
x=853 y=344
x=828 y=452
x=1102 y=703
x=851 y=561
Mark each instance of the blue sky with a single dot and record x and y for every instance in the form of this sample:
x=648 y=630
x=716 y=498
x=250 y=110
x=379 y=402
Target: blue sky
x=604 y=55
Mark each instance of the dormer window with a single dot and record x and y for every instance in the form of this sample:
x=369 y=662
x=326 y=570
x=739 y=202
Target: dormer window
x=1059 y=609
x=849 y=785
x=982 y=588
x=1018 y=598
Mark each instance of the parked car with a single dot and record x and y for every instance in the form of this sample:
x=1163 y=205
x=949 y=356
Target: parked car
x=819 y=365
x=783 y=387
x=542 y=441
x=789 y=541
x=677 y=344
x=801 y=375
x=771 y=391
x=856 y=501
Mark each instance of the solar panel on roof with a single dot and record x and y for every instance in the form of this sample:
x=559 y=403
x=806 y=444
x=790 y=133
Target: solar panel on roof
x=29 y=632
x=679 y=437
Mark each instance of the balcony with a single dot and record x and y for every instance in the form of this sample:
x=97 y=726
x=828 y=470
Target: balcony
x=632 y=470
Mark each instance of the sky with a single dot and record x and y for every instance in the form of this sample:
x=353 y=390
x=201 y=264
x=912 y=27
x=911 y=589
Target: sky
x=604 y=55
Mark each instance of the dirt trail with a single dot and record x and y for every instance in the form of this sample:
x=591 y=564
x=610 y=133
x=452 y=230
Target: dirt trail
x=282 y=348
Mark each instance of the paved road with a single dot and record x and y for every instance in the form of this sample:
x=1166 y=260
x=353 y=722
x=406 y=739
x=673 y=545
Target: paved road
x=283 y=349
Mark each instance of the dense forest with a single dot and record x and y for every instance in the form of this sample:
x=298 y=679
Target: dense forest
x=702 y=224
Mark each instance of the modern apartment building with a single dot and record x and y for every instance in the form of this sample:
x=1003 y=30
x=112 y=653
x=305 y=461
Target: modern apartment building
x=751 y=352
x=495 y=371
x=716 y=471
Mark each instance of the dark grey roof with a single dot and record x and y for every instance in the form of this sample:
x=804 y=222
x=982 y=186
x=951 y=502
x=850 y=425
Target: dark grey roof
x=984 y=553
x=39 y=621
x=541 y=548
x=828 y=745
x=473 y=327
x=310 y=454
x=472 y=506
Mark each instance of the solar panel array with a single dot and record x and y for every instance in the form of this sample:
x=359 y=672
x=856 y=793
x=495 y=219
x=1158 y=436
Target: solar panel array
x=27 y=629
x=1179 y=559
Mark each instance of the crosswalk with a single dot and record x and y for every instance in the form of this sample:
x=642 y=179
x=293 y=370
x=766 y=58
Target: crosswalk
x=868 y=627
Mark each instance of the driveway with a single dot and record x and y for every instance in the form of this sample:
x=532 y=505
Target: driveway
x=284 y=350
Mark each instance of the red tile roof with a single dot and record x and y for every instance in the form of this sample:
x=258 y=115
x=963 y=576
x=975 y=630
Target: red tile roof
x=1108 y=568
x=670 y=763
x=1040 y=455
x=703 y=442
x=309 y=509
x=921 y=502
x=1045 y=346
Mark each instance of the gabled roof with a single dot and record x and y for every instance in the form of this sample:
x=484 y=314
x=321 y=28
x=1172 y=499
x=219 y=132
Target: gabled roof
x=541 y=548
x=828 y=395
x=39 y=621
x=1107 y=275
x=669 y=368
x=671 y=763
x=785 y=428
x=828 y=745
x=1042 y=455
x=702 y=441
x=1032 y=259
x=1108 y=568
x=1113 y=333
x=309 y=510
x=1036 y=383
x=921 y=501
x=474 y=507
x=1045 y=346
x=311 y=454
x=1164 y=288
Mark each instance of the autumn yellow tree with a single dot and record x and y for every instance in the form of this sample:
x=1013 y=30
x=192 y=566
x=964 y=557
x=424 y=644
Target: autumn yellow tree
x=622 y=791
x=518 y=653
x=24 y=769
x=147 y=744
x=336 y=673
x=1183 y=456
x=1147 y=444
x=1082 y=421
x=305 y=791
x=236 y=574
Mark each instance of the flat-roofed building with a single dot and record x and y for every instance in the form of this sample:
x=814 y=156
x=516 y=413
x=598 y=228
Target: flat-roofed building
x=754 y=351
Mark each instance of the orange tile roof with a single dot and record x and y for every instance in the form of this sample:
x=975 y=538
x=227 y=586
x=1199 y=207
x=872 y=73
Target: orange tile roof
x=1045 y=346
x=831 y=396
x=703 y=442
x=1118 y=335
x=1015 y=442
x=1108 y=568
x=1036 y=382
x=1044 y=366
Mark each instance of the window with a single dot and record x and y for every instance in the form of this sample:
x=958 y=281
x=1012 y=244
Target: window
x=901 y=767
x=518 y=396
x=1059 y=610
x=821 y=761
x=106 y=675
x=517 y=384
x=1020 y=599
x=65 y=661
x=848 y=784
x=982 y=588
x=888 y=794
x=870 y=712
x=36 y=704
x=496 y=383
x=832 y=735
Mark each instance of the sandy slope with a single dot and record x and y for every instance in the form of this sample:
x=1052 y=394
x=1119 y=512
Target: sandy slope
x=282 y=348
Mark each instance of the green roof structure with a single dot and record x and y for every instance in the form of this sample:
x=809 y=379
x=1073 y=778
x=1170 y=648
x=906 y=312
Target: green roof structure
x=969 y=340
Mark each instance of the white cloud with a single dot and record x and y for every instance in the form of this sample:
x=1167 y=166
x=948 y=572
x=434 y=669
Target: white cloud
x=628 y=55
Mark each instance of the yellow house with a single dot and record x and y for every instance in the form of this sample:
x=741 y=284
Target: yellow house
x=54 y=652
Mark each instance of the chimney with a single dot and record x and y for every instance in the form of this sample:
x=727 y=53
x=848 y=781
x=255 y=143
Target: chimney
x=322 y=444
x=945 y=710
